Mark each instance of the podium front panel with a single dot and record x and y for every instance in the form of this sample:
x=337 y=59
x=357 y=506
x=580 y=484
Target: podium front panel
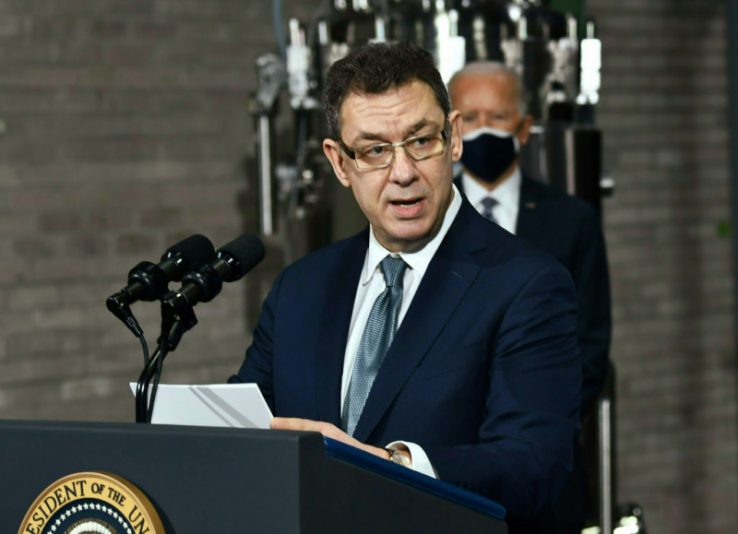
x=225 y=480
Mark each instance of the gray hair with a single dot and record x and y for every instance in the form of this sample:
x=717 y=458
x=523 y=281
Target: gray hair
x=492 y=68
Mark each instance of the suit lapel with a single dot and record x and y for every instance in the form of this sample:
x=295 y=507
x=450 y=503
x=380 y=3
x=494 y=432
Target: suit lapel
x=445 y=283
x=334 y=327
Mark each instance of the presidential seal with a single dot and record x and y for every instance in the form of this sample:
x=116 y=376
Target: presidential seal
x=91 y=503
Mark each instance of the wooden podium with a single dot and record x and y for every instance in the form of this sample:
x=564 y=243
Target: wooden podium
x=223 y=480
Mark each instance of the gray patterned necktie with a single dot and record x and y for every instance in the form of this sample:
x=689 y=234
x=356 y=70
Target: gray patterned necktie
x=378 y=333
x=488 y=203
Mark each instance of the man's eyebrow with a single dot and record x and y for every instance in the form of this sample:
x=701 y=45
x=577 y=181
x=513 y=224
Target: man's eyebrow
x=418 y=126
x=370 y=136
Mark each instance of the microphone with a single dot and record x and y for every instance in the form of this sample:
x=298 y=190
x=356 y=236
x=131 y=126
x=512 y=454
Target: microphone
x=149 y=282
x=232 y=261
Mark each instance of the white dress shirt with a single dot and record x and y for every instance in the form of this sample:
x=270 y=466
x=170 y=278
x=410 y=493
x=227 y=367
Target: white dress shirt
x=372 y=284
x=507 y=195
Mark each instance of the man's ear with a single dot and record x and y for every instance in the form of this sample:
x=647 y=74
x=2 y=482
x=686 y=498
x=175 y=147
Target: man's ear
x=457 y=146
x=524 y=131
x=335 y=155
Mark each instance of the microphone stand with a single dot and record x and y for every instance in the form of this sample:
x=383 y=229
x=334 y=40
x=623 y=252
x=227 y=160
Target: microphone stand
x=177 y=317
x=123 y=312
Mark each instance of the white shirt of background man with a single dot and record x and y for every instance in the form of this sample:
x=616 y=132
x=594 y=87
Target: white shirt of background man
x=507 y=195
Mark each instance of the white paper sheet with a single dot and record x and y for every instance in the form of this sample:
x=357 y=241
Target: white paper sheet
x=229 y=405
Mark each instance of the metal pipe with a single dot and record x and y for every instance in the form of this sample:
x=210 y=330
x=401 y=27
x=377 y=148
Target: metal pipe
x=605 y=464
x=380 y=27
x=570 y=154
x=265 y=177
x=732 y=36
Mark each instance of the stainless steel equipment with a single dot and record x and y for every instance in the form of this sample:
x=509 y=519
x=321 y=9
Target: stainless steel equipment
x=560 y=71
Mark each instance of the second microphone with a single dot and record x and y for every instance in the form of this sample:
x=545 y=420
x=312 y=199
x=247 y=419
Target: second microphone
x=232 y=261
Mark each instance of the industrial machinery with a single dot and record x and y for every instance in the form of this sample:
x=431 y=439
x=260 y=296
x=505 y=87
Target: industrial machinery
x=556 y=54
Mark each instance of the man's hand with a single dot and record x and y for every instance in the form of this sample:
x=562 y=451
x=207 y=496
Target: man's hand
x=328 y=430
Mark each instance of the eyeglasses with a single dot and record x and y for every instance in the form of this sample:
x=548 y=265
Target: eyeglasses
x=382 y=155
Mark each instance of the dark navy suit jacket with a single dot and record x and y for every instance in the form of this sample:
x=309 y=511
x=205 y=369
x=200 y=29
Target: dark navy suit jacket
x=483 y=372
x=569 y=229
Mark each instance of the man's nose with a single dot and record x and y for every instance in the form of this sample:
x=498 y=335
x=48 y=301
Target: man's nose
x=487 y=121
x=403 y=168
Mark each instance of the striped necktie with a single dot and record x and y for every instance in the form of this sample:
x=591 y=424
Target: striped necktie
x=488 y=204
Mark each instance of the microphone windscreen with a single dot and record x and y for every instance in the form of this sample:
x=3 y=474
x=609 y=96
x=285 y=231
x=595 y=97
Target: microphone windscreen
x=247 y=251
x=192 y=253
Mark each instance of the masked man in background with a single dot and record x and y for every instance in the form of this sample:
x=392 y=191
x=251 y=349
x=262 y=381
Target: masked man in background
x=491 y=101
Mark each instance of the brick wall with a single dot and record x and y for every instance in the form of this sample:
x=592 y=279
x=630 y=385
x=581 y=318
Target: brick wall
x=126 y=128
x=664 y=116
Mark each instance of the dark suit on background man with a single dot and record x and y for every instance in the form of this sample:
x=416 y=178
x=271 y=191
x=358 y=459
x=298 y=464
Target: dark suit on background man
x=569 y=229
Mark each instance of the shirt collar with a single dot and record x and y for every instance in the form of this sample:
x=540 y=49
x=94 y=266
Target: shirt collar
x=507 y=193
x=418 y=260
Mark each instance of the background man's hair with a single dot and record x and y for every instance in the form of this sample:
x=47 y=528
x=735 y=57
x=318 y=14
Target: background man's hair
x=376 y=68
x=493 y=68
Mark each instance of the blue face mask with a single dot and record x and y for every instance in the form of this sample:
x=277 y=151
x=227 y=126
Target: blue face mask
x=489 y=152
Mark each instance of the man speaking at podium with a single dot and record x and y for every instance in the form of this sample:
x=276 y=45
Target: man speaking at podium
x=433 y=338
